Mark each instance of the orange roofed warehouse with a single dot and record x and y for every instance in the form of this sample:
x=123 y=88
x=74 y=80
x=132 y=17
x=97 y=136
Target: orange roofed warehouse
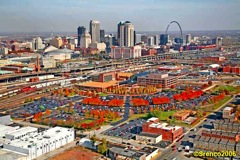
x=169 y=133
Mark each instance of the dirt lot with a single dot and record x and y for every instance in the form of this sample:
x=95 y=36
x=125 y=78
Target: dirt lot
x=78 y=153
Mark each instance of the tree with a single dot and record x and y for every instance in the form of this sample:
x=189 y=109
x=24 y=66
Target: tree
x=209 y=83
x=102 y=148
x=199 y=113
x=93 y=139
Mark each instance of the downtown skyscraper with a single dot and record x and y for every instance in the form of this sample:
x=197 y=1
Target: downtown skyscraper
x=126 y=34
x=81 y=30
x=95 y=31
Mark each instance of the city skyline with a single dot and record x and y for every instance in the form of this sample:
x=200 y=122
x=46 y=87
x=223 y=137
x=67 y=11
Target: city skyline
x=63 y=16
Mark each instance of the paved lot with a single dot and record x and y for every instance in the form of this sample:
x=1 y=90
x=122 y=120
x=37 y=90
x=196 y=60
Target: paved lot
x=126 y=130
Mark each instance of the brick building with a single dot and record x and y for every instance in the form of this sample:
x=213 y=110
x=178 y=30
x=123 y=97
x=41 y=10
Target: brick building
x=227 y=112
x=213 y=59
x=230 y=69
x=155 y=79
x=169 y=133
x=149 y=52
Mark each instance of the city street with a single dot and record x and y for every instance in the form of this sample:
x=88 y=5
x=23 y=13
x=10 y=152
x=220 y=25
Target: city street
x=187 y=140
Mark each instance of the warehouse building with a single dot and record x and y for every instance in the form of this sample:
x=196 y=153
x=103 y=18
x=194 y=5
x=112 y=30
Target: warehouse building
x=28 y=141
x=168 y=132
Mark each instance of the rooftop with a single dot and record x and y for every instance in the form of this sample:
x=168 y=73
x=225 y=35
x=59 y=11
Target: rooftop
x=99 y=84
x=227 y=109
x=126 y=152
x=149 y=134
x=33 y=139
x=23 y=130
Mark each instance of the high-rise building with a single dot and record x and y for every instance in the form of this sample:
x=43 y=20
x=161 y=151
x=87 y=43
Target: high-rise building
x=150 y=41
x=85 y=40
x=126 y=34
x=144 y=39
x=188 y=38
x=217 y=41
x=156 y=40
x=109 y=40
x=81 y=30
x=102 y=35
x=56 y=42
x=178 y=40
x=164 y=39
x=138 y=38
x=39 y=43
x=120 y=31
x=95 y=31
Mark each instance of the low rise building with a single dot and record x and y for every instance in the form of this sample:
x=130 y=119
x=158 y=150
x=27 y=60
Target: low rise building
x=168 y=132
x=97 y=86
x=227 y=111
x=155 y=79
x=100 y=46
x=149 y=137
x=49 y=62
x=5 y=119
x=36 y=144
x=21 y=132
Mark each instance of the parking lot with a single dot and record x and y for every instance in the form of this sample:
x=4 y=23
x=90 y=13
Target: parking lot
x=42 y=105
x=127 y=130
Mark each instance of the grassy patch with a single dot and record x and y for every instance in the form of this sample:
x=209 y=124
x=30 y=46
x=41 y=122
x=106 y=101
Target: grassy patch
x=227 y=98
x=224 y=87
x=103 y=94
x=136 y=116
x=165 y=114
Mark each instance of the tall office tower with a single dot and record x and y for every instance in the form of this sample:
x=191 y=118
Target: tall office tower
x=150 y=41
x=120 y=32
x=178 y=40
x=138 y=38
x=81 y=30
x=134 y=41
x=126 y=34
x=85 y=40
x=164 y=39
x=188 y=38
x=102 y=35
x=39 y=43
x=217 y=41
x=144 y=39
x=95 y=31
x=109 y=40
x=156 y=40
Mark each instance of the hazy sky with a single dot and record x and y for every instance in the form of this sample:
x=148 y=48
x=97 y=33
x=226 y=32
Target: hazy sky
x=146 y=15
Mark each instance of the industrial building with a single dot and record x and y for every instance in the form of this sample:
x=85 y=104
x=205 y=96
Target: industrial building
x=168 y=132
x=156 y=78
x=28 y=141
x=145 y=153
x=149 y=137
x=5 y=119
